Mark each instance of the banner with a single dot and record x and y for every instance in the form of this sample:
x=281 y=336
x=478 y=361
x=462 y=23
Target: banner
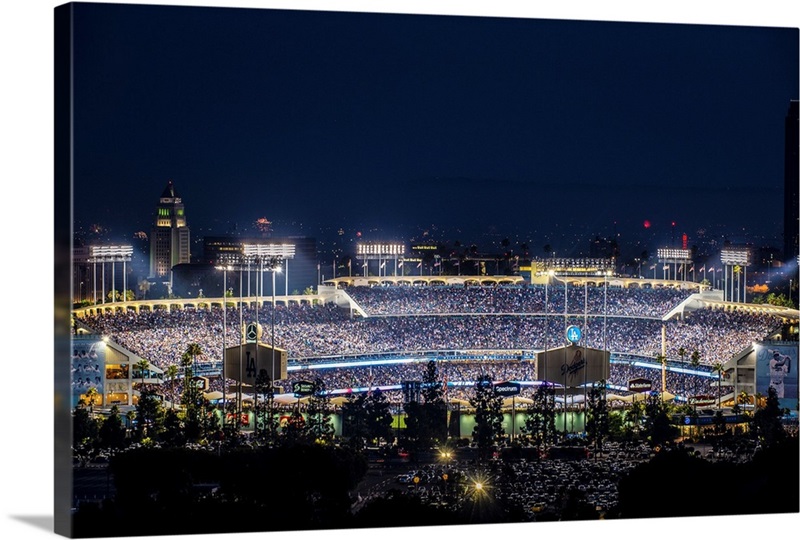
x=776 y=366
x=640 y=385
x=88 y=365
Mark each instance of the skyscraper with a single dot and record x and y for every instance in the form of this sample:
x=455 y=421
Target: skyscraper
x=169 y=240
x=791 y=202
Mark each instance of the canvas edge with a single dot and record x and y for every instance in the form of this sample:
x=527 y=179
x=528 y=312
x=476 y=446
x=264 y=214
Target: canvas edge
x=62 y=282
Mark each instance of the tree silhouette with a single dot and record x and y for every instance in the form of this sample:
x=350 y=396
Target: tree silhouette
x=379 y=417
x=267 y=427
x=488 y=430
x=318 y=415
x=426 y=420
x=767 y=421
x=540 y=421
x=597 y=421
x=171 y=373
x=112 y=432
x=658 y=428
x=354 y=421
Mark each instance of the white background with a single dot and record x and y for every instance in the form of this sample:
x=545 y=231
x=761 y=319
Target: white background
x=26 y=388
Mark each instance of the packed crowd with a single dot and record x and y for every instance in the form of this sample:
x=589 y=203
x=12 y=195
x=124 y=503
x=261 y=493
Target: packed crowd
x=529 y=299
x=311 y=332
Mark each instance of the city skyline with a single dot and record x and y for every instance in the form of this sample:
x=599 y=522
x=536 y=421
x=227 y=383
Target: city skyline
x=541 y=130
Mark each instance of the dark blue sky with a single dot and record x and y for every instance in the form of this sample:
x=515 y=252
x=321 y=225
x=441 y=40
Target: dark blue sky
x=532 y=127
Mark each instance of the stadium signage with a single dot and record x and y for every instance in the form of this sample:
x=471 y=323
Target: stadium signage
x=572 y=368
x=506 y=389
x=251 y=333
x=702 y=401
x=573 y=334
x=303 y=388
x=640 y=385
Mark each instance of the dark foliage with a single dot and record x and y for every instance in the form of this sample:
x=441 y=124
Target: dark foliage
x=674 y=481
x=183 y=491
x=394 y=511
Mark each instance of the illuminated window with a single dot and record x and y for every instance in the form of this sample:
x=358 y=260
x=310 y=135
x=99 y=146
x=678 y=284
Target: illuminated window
x=116 y=371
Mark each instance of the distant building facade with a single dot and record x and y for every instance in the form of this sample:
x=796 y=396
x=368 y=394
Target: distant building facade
x=169 y=240
x=603 y=248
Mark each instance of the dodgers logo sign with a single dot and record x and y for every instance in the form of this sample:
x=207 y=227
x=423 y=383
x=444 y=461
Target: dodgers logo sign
x=573 y=334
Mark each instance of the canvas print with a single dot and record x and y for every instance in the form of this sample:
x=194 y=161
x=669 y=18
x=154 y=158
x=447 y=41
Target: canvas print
x=345 y=270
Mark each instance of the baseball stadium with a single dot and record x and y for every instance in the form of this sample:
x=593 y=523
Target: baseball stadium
x=679 y=339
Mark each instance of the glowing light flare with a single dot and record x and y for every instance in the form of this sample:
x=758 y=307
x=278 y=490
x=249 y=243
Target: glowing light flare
x=647 y=224
x=478 y=485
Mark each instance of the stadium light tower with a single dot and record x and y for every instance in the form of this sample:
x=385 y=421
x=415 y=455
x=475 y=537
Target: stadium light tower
x=381 y=251
x=736 y=258
x=224 y=269
x=275 y=267
x=675 y=257
x=112 y=254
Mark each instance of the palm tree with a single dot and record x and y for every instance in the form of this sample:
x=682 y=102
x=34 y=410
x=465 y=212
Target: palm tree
x=634 y=416
x=131 y=416
x=172 y=372
x=757 y=400
x=718 y=368
x=194 y=350
x=91 y=394
x=695 y=363
x=743 y=397
x=144 y=286
x=682 y=354
x=143 y=366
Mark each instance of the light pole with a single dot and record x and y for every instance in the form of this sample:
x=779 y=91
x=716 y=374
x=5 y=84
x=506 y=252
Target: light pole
x=224 y=331
x=275 y=264
x=566 y=324
x=241 y=340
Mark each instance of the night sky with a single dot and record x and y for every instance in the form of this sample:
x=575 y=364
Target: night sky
x=536 y=129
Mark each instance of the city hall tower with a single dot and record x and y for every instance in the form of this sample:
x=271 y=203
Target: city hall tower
x=169 y=240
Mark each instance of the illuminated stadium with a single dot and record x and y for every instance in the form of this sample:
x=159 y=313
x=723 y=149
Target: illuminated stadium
x=359 y=338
